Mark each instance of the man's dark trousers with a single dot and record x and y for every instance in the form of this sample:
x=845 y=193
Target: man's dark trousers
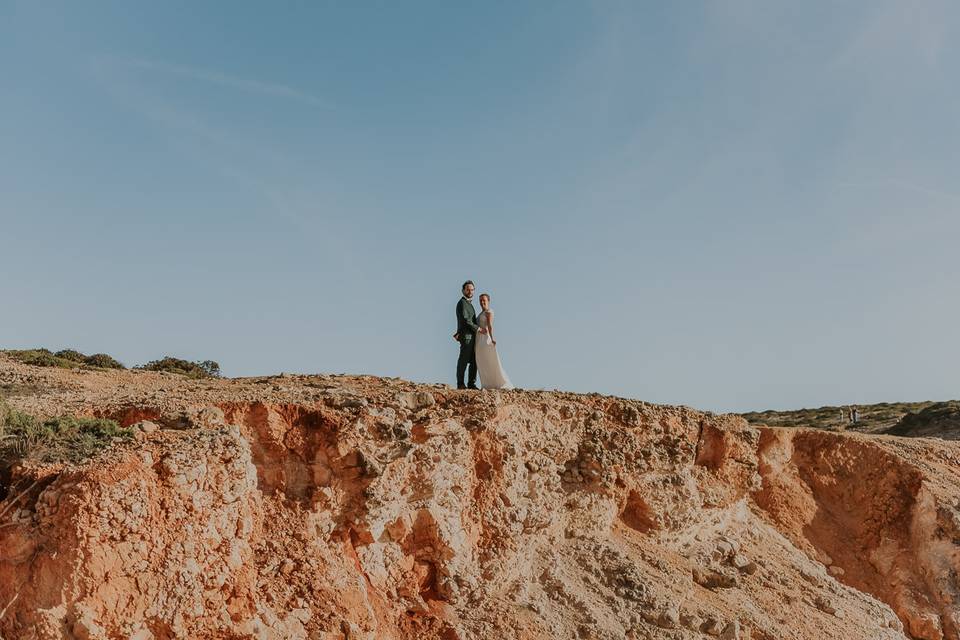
x=468 y=358
x=467 y=332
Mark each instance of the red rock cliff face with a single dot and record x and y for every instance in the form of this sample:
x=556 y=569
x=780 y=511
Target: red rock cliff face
x=337 y=507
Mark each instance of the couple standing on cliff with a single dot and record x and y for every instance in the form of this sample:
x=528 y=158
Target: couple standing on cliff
x=478 y=347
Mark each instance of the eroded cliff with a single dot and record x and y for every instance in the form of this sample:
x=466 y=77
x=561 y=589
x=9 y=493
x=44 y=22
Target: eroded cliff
x=358 y=507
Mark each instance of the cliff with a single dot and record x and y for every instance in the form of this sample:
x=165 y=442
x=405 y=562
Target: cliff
x=339 y=507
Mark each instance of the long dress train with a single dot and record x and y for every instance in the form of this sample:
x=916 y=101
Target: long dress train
x=492 y=375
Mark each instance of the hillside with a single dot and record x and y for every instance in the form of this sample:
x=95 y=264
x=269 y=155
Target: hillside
x=346 y=507
x=939 y=420
x=874 y=418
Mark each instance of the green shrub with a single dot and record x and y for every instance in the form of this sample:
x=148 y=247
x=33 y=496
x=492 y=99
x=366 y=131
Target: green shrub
x=212 y=368
x=65 y=359
x=41 y=358
x=72 y=355
x=62 y=439
x=205 y=369
x=102 y=361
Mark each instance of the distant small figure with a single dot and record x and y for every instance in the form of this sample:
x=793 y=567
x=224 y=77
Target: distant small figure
x=841 y=416
x=854 y=415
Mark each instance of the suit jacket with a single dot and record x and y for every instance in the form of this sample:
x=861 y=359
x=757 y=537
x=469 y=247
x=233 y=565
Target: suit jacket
x=466 y=321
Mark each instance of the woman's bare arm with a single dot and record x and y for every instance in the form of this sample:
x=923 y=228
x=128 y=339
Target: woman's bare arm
x=490 y=326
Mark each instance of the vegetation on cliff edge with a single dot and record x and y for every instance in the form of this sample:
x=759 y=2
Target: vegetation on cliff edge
x=72 y=359
x=59 y=439
x=65 y=359
x=202 y=369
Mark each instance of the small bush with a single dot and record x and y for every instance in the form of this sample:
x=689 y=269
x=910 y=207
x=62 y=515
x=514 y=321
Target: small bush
x=70 y=354
x=212 y=368
x=205 y=369
x=62 y=439
x=102 y=361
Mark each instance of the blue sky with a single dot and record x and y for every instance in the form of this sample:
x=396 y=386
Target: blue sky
x=732 y=205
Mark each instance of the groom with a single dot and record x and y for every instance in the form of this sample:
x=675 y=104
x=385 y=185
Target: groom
x=467 y=330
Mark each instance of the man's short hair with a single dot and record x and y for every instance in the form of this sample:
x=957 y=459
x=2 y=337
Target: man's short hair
x=464 y=286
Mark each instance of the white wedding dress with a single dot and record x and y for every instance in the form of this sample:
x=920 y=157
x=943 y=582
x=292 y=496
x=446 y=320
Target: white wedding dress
x=492 y=375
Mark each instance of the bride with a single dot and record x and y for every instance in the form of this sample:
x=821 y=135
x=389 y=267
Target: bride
x=492 y=375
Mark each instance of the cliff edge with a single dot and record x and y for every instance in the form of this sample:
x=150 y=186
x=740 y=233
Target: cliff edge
x=346 y=507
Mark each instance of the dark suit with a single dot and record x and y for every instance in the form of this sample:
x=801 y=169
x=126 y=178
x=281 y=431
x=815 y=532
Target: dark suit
x=467 y=331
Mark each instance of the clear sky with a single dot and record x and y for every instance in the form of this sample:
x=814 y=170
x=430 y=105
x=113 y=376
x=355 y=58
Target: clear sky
x=729 y=204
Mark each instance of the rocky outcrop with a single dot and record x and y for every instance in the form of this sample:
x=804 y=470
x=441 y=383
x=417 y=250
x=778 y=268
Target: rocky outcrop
x=879 y=514
x=154 y=542
x=356 y=507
